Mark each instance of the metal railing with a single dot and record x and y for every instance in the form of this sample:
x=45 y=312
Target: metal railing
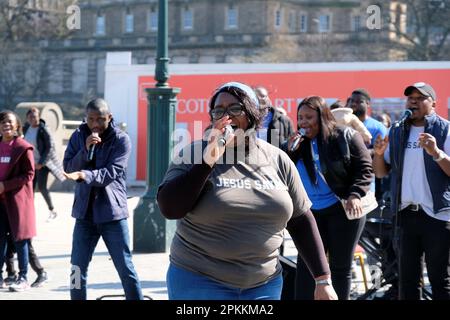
x=69 y=126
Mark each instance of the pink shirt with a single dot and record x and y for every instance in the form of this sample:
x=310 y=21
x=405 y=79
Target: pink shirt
x=5 y=157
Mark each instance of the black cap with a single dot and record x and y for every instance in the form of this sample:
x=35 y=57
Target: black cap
x=423 y=88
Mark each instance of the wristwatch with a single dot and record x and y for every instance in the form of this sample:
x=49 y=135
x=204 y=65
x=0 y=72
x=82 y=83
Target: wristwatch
x=325 y=282
x=441 y=156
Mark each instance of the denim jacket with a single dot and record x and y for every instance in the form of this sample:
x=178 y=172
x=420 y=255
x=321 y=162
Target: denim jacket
x=105 y=175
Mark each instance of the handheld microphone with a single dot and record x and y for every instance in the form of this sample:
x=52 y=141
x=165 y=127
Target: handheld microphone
x=223 y=139
x=301 y=133
x=405 y=116
x=92 y=147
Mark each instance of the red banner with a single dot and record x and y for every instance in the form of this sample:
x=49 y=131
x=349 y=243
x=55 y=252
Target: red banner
x=286 y=89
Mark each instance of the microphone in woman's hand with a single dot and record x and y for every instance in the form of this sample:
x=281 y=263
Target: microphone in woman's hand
x=301 y=132
x=223 y=139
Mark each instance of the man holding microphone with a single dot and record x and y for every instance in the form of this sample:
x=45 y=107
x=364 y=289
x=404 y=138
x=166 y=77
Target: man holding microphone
x=416 y=154
x=96 y=157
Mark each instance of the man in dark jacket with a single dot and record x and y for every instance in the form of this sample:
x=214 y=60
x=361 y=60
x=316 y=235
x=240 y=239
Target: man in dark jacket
x=97 y=157
x=416 y=154
x=276 y=125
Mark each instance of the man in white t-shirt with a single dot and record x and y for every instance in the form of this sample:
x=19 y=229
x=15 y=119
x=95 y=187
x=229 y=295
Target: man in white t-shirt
x=416 y=152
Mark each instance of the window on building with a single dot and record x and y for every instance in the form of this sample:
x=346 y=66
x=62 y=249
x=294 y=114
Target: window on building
x=398 y=20
x=55 y=4
x=129 y=22
x=188 y=18
x=356 y=23
x=79 y=75
x=291 y=21
x=410 y=23
x=303 y=22
x=100 y=25
x=231 y=17
x=101 y=75
x=55 y=81
x=325 y=23
x=278 y=18
x=153 y=20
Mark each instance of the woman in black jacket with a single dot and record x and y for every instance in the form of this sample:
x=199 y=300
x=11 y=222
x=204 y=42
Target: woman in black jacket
x=335 y=168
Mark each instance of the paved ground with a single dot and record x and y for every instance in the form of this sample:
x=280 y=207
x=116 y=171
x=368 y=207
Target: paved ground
x=53 y=245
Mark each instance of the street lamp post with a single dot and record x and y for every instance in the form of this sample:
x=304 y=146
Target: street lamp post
x=152 y=232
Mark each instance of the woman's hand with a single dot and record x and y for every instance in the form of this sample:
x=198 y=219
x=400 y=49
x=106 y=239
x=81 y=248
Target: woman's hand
x=293 y=138
x=353 y=207
x=325 y=292
x=213 y=150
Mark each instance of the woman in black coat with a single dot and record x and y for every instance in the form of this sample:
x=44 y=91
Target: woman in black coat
x=336 y=170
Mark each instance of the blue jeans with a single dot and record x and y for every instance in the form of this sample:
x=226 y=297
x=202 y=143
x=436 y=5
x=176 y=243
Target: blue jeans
x=22 y=257
x=186 y=285
x=21 y=246
x=116 y=237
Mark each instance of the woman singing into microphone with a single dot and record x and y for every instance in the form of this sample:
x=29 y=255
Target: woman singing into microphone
x=232 y=207
x=334 y=164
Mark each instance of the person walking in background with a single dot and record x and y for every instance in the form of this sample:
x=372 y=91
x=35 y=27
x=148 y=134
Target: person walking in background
x=96 y=157
x=232 y=207
x=416 y=153
x=38 y=135
x=334 y=166
x=17 y=214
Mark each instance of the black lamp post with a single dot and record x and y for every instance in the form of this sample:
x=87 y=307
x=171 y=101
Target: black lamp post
x=152 y=232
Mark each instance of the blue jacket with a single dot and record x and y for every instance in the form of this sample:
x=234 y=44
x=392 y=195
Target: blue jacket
x=438 y=180
x=106 y=178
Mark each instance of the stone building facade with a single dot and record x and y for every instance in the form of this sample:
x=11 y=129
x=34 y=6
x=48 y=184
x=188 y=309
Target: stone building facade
x=212 y=31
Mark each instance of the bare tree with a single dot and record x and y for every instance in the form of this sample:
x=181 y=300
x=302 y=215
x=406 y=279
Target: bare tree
x=23 y=64
x=422 y=28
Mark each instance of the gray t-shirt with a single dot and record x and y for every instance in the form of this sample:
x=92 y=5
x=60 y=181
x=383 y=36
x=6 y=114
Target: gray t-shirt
x=31 y=137
x=236 y=227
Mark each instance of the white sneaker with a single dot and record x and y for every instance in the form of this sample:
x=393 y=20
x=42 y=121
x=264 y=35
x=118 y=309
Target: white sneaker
x=19 y=286
x=52 y=215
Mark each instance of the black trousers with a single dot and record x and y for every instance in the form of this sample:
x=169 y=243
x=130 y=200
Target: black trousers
x=339 y=237
x=40 y=178
x=421 y=234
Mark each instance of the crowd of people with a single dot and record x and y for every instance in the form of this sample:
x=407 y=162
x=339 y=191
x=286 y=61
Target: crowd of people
x=258 y=177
